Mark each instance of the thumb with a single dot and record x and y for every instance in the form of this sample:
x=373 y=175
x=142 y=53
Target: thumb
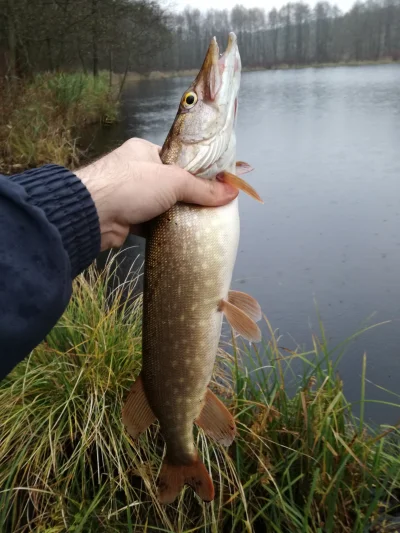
x=201 y=191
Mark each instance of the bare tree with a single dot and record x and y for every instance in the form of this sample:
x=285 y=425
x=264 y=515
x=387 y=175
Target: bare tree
x=123 y=35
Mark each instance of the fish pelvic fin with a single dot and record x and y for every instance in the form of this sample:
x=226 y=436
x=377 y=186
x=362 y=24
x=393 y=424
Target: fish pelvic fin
x=136 y=413
x=173 y=478
x=239 y=183
x=246 y=303
x=240 y=322
x=216 y=421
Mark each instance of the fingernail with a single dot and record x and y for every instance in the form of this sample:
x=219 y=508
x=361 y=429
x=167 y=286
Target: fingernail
x=231 y=191
x=228 y=188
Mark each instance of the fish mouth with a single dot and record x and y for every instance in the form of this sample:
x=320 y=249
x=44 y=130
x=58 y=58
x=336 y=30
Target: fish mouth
x=219 y=72
x=231 y=54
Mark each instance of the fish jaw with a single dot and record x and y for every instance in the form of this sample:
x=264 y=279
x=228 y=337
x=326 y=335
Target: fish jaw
x=219 y=77
x=200 y=139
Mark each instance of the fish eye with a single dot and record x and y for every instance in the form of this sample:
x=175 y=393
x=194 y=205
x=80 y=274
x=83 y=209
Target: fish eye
x=189 y=100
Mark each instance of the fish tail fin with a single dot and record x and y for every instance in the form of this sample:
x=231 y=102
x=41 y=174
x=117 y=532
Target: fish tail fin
x=173 y=478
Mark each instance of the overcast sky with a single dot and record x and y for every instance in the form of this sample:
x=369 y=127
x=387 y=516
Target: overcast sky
x=344 y=5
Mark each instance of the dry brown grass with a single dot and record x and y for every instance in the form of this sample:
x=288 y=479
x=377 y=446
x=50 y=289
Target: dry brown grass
x=40 y=119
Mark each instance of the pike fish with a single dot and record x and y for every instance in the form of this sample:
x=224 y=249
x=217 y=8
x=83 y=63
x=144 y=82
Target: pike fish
x=190 y=255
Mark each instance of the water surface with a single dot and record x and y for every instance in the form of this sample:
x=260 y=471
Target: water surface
x=325 y=144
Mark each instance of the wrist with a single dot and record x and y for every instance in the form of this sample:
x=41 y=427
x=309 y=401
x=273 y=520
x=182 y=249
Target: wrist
x=100 y=187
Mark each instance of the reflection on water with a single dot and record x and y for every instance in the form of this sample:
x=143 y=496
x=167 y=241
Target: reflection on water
x=325 y=144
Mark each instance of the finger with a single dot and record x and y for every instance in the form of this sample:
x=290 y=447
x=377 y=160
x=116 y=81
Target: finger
x=189 y=189
x=135 y=141
x=141 y=150
x=203 y=191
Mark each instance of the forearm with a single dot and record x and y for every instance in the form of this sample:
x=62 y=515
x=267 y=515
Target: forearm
x=49 y=233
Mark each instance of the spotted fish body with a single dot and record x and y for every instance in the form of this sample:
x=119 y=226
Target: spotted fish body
x=190 y=255
x=189 y=263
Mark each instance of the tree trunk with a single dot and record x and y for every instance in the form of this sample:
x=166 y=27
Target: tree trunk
x=111 y=65
x=288 y=36
x=12 y=42
x=121 y=86
x=81 y=58
x=299 y=44
x=49 y=54
x=95 y=50
x=275 y=46
x=61 y=56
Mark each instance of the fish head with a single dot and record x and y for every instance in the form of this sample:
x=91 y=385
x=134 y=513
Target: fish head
x=201 y=139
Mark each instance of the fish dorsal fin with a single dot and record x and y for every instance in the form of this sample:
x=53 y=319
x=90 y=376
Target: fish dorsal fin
x=136 y=413
x=216 y=421
x=173 y=477
x=240 y=322
x=246 y=303
x=243 y=168
x=240 y=184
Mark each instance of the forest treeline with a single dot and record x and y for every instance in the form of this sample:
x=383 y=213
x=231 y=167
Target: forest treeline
x=295 y=34
x=142 y=35
x=89 y=35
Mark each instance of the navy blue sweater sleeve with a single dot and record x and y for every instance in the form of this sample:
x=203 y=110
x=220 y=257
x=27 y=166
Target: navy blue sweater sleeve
x=49 y=233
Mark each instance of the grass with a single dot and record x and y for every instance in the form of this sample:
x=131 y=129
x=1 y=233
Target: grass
x=301 y=462
x=41 y=118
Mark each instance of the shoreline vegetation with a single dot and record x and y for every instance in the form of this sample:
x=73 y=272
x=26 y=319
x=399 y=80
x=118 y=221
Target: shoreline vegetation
x=146 y=40
x=301 y=462
x=159 y=74
x=41 y=118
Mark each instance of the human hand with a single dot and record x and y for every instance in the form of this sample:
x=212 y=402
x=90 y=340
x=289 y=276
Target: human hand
x=130 y=186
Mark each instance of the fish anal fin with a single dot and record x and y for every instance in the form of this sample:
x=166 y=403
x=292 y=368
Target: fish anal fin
x=239 y=183
x=240 y=322
x=246 y=303
x=173 y=477
x=136 y=413
x=243 y=168
x=216 y=420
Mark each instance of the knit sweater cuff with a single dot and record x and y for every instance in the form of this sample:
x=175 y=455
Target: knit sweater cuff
x=68 y=206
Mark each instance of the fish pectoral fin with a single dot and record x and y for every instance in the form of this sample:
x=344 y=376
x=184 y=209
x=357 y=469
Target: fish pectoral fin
x=240 y=322
x=173 y=477
x=136 y=413
x=243 y=168
x=246 y=303
x=215 y=419
x=239 y=183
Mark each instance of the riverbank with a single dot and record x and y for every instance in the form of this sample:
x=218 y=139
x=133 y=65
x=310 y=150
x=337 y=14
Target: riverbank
x=299 y=463
x=41 y=119
x=160 y=75
x=350 y=63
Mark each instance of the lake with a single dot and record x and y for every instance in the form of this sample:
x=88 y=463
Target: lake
x=325 y=145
